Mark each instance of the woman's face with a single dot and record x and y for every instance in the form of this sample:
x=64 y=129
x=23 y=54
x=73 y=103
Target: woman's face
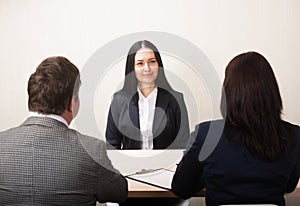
x=145 y=67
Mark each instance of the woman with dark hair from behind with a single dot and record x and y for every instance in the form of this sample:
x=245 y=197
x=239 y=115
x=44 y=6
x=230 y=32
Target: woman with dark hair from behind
x=146 y=113
x=256 y=160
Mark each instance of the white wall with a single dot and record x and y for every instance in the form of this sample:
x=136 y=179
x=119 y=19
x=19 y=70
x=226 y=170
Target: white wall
x=31 y=30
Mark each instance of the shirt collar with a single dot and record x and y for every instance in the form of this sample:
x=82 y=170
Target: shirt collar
x=52 y=116
x=150 y=96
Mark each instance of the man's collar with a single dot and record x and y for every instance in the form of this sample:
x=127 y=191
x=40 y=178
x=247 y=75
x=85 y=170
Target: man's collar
x=53 y=116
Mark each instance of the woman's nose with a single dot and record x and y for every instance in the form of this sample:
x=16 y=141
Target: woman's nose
x=146 y=67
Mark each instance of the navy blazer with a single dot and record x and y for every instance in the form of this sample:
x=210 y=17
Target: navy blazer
x=170 y=124
x=233 y=175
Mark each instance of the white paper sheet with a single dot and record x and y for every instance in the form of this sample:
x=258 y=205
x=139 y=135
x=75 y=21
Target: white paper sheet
x=160 y=178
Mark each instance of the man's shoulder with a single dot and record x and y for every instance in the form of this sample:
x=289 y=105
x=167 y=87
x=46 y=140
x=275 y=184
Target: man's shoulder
x=93 y=146
x=8 y=132
x=87 y=139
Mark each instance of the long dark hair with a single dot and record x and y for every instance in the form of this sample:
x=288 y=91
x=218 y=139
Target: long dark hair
x=252 y=103
x=130 y=84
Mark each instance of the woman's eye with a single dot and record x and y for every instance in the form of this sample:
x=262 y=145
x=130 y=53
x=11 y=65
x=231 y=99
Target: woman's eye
x=152 y=61
x=139 y=63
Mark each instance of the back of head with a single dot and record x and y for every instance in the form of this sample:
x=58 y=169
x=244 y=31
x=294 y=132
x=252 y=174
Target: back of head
x=130 y=84
x=52 y=86
x=252 y=103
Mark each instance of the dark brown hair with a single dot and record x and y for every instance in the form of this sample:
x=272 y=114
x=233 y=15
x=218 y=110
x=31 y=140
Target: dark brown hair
x=52 y=86
x=252 y=103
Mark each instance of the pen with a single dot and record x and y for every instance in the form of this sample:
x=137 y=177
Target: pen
x=145 y=171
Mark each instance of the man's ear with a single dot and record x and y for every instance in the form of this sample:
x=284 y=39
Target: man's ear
x=68 y=113
x=73 y=106
x=70 y=105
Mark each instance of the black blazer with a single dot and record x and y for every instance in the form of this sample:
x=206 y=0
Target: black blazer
x=170 y=124
x=230 y=173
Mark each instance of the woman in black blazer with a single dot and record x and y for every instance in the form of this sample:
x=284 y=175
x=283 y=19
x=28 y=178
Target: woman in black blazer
x=146 y=113
x=251 y=156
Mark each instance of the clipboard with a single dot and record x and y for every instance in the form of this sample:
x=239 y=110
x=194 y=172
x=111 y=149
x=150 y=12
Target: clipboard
x=161 y=177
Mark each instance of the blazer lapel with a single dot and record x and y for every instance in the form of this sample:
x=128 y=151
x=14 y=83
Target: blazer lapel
x=160 y=118
x=134 y=110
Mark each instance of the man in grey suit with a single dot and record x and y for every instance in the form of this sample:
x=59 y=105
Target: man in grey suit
x=43 y=162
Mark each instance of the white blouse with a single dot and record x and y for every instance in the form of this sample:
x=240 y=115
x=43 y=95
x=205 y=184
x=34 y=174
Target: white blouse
x=146 y=115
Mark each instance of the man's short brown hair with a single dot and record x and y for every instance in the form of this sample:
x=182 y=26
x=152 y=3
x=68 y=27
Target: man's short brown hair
x=52 y=86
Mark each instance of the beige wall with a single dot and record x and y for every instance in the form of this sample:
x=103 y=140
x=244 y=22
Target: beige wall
x=31 y=30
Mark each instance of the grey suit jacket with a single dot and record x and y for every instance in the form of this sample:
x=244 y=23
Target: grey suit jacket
x=43 y=162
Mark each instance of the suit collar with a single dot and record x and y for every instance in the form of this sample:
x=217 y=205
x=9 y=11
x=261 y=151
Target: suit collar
x=43 y=121
x=163 y=98
x=53 y=116
x=134 y=110
x=161 y=101
x=160 y=118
